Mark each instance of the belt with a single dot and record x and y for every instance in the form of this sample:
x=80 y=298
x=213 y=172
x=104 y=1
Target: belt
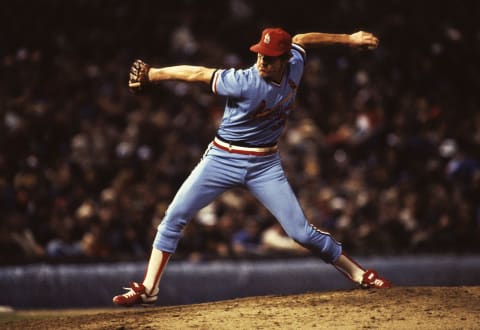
x=253 y=151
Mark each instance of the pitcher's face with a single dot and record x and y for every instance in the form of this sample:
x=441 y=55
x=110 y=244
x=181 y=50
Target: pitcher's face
x=270 y=67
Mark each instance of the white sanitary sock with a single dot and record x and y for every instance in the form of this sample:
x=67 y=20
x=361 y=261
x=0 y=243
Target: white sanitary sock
x=154 y=271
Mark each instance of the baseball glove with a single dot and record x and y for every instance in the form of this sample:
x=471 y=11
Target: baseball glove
x=138 y=81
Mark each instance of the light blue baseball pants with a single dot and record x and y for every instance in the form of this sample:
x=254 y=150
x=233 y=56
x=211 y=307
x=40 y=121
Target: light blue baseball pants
x=264 y=177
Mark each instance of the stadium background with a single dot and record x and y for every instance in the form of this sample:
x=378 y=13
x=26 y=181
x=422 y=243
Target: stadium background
x=382 y=150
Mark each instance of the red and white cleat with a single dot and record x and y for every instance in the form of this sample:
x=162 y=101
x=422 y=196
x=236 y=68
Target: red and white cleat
x=136 y=295
x=371 y=280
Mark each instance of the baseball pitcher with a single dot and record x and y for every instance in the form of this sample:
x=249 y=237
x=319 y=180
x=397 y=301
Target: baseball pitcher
x=244 y=151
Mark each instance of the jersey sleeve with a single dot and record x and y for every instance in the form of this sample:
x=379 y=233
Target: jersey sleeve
x=298 y=54
x=228 y=82
x=297 y=62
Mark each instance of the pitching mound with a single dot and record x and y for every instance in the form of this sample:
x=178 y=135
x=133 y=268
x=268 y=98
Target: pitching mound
x=397 y=308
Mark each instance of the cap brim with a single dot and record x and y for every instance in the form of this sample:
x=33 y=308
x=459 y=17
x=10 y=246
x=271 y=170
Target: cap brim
x=258 y=48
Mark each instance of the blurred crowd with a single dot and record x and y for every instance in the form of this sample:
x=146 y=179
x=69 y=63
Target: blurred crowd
x=383 y=148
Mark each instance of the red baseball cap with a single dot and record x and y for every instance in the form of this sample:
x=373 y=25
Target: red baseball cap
x=274 y=42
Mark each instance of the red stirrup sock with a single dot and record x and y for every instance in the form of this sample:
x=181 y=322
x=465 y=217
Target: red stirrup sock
x=350 y=268
x=154 y=271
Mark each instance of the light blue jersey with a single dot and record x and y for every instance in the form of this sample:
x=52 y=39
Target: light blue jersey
x=257 y=109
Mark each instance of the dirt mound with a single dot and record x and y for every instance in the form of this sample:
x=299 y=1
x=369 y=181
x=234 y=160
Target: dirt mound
x=397 y=308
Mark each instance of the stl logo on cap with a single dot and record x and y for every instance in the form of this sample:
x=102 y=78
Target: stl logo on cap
x=266 y=40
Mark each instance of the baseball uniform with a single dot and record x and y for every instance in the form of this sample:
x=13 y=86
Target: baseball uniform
x=244 y=154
